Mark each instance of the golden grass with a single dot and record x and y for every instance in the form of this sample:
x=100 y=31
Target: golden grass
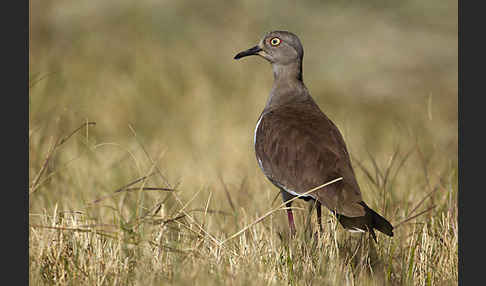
x=141 y=161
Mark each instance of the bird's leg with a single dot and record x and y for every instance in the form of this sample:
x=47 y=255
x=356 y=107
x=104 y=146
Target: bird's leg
x=286 y=197
x=308 y=227
x=319 y=218
x=291 y=219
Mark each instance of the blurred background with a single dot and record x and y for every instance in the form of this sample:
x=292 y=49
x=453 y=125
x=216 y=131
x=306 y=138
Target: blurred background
x=159 y=80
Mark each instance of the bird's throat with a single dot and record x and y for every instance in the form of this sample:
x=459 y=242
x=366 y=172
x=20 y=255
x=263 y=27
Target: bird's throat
x=287 y=86
x=287 y=72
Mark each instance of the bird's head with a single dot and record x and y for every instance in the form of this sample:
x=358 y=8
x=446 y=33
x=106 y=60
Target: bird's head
x=278 y=47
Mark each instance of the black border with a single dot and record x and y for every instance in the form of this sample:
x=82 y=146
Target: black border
x=15 y=138
x=471 y=187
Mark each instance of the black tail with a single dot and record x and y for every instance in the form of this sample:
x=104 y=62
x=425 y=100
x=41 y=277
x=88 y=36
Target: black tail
x=379 y=222
x=370 y=221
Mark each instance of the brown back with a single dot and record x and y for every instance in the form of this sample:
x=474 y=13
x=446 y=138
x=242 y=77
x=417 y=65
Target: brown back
x=299 y=148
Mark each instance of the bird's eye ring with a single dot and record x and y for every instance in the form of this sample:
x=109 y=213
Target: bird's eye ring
x=275 y=41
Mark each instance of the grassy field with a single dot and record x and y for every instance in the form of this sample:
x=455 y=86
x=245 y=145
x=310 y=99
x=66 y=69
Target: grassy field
x=141 y=161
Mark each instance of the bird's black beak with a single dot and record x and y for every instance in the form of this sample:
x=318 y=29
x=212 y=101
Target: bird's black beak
x=249 y=52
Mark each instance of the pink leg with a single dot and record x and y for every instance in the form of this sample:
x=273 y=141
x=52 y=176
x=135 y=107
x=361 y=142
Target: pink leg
x=291 y=221
x=285 y=197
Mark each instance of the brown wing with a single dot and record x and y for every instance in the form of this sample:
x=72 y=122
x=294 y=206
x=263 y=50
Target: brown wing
x=299 y=148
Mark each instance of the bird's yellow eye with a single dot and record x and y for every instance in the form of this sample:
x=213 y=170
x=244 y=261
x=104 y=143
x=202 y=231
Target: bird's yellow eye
x=275 y=41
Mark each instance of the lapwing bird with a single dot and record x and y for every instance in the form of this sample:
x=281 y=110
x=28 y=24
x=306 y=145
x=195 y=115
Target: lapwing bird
x=299 y=148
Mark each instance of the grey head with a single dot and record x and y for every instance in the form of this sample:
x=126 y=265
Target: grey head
x=281 y=48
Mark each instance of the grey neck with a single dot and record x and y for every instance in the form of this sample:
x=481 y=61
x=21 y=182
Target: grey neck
x=287 y=85
x=288 y=72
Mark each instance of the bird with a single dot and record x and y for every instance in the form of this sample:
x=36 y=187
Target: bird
x=299 y=148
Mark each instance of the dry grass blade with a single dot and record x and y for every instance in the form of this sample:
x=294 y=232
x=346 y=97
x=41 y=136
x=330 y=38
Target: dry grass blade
x=63 y=140
x=75 y=229
x=415 y=216
x=213 y=239
x=152 y=212
x=210 y=211
x=166 y=221
x=35 y=81
x=423 y=200
x=402 y=163
x=59 y=142
x=193 y=220
x=172 y=249
x=124 y=188
x=425 y=162
x=378 y=174
x=385 y=177
x=275 y=198
x=309 y=216
x=149 y=189
x=33 y=186
x=228 y=196
x=280 y=207
x=365 y=171
x=149 y=157
x=389 y=167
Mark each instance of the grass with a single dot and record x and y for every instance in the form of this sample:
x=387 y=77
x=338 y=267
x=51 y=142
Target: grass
x=141 y=164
